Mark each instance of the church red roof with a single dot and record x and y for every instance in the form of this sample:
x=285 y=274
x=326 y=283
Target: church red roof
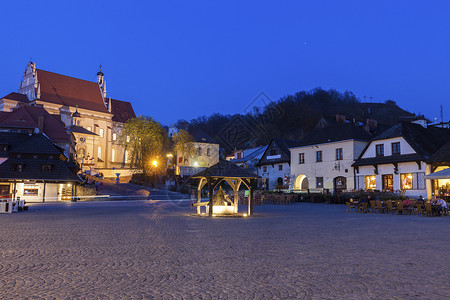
x=69 y=91
x=122 y=111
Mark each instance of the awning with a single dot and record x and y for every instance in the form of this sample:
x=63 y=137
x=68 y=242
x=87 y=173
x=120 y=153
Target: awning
x=443 y=174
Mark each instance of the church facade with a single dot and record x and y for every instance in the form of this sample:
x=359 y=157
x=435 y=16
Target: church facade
x=94 y=120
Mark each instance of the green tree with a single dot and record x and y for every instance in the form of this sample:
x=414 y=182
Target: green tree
x=145 y=141
x=183 y=144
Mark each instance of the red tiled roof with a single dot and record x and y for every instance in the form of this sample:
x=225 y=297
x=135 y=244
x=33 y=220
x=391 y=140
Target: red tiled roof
x=28 y=117
x=16 y=97
x=122 y=111
x=69 y=91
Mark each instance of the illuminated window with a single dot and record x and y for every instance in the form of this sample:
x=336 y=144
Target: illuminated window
x=319 y=182
x=89 y=128
x=114 y=137
x=126 y=156
x=101 y=132
x=30 y=192
x=99 y=152
x=406 y=181
x=371 y=182
x=128 y=138
x=113 y=155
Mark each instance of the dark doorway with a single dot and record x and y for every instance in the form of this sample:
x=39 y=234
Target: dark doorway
x=388 y=183
x=340 y=184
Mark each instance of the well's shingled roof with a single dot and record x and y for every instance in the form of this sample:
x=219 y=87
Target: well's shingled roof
x=225 y=169
x=70 y=91
x=17 y=97
x=122 y=111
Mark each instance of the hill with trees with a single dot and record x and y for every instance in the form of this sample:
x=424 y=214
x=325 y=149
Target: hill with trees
x=291 y=117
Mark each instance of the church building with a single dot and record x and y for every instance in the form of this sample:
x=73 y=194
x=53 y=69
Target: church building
x=93 y=119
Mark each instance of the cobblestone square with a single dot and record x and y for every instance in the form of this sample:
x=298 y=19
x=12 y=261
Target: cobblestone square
x=148 y=249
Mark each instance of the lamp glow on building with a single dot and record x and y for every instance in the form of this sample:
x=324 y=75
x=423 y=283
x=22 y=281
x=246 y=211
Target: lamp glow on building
x=196 y=164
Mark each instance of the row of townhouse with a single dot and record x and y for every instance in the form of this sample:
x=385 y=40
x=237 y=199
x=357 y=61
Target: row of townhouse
x=352 y=156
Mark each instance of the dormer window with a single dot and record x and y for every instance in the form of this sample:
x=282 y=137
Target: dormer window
x=396 y=148
x=46 y=168
x=18 y=167
x=379 y=149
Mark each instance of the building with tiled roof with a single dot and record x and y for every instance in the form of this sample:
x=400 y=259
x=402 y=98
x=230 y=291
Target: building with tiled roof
x=94 y=120
x=34 y=169
x=321 y=162
x=27 y=118
x=274 y=167
x=399 y=159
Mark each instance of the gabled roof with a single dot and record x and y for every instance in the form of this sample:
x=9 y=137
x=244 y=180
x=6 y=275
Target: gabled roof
x=339 y=132
x=32 y=170
x=425 y=141
x=82 y=130
x=122 y=111
x=441 y=155
x=283 y=146
x=24 y=143
x=255 y=153
x=27 y=117
x=70 y=91
x=16 y=97
x=225 y=169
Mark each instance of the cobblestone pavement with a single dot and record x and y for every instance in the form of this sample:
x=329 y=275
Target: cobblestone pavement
x=148 y=249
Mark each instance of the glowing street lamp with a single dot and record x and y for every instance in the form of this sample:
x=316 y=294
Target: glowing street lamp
x=155 y=163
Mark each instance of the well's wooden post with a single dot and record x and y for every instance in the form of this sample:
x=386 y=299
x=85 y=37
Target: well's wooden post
x=236 y=195
x=250 y=197
x=211 y=191
x=199 y=197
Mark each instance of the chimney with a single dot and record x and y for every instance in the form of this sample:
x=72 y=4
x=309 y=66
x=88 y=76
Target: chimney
x=340 y=118
x=371 y=125
x=41 y=124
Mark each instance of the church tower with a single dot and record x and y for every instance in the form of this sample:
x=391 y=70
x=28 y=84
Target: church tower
x=29 y=84
x=102 y=85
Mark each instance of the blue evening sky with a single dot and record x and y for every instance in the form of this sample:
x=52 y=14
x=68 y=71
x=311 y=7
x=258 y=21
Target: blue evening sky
x=183 y=59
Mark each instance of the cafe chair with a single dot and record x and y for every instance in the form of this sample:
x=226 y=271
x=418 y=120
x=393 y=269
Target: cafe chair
x=350 y=206
x=363 y=207
x=373 y=206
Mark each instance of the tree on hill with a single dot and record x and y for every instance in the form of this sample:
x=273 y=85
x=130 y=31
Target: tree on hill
x=292 y=116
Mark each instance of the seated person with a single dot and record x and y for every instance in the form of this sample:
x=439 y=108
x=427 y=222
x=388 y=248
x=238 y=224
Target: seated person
x=442 y=204
x=406 y=202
